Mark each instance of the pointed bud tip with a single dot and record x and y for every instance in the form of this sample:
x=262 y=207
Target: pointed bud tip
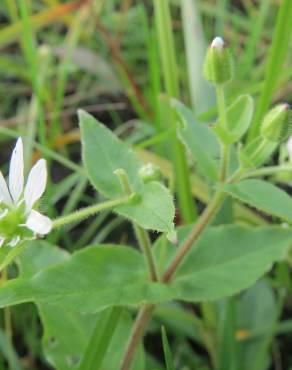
x=217 y=43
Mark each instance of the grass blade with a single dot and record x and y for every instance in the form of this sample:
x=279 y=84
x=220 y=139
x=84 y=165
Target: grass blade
x=276 y=59
x=170 y=75
x=166 y=350
x=100 y=340
x=202 y=95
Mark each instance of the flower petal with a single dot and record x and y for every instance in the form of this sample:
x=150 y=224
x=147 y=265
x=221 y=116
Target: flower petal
x=16 y=171
x=4 y=192
x=36 y=183
x=39 y=223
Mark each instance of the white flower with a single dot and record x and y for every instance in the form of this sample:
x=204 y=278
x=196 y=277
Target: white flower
x=20 y=200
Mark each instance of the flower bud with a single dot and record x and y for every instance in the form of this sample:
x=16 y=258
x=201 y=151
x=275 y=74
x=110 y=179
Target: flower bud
x=218 y=68
x=150 y=172
x=276 y=125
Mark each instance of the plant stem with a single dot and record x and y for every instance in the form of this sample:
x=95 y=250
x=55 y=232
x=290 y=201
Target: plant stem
x=271 y=170
x=145 y=312
x=199 y=227
x=8 y=328
x=141 y=234
x=89 y=211
x=223 y=123
x=221 y=106
x=224 y=162
x=138 y=329
x=145 y=246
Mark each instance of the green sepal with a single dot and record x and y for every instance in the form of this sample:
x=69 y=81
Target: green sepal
x=250 y=157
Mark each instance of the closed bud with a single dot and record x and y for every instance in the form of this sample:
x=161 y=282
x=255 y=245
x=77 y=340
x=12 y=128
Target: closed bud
x=150 y=172
x=218 y=68
x=276 y=125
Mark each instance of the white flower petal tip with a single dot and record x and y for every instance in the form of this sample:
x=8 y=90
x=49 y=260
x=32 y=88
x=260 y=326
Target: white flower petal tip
x=16 y=171
x=36 y=183
x=4 y=192
x=39 y=223
x=217 y=43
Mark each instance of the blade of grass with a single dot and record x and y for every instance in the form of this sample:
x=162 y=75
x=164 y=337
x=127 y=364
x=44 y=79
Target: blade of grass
x=166 y=349
x=63 y=69
x=276 y=59
x=14 y=31
x=227 y=327
x=222 y=6
x=29 y=46
x=251 y=46
x=170 y=75
x=100 y=339
x=202 y=95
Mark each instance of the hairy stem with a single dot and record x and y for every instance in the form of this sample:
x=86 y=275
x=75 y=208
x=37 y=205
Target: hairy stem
x=221 y=106
x=141 y=234
x=89 y=211
x=138 y=329
x=199 y=227
x=145 y=246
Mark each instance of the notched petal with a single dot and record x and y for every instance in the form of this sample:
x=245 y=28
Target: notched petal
x=39 y=223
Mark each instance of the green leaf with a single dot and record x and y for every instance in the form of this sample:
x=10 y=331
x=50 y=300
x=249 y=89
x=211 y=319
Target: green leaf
x=201 y=142
x=225 y=260
x=103 y=153
x=253 y=308
x=154 y=210
x=247 y=156
x=38 y=255
x=98 y=277
x=67 y=334
x=264 y=196
x=239 y=116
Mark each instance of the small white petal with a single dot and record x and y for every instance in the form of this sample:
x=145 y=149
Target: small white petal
x=4 y=192
x=217 y=43
x=16 y=172
x=36 y=183
x=2 y=240
x=39 y=223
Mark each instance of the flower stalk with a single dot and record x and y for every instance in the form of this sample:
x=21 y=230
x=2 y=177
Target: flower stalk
x=89 y=211
x=141 y=234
